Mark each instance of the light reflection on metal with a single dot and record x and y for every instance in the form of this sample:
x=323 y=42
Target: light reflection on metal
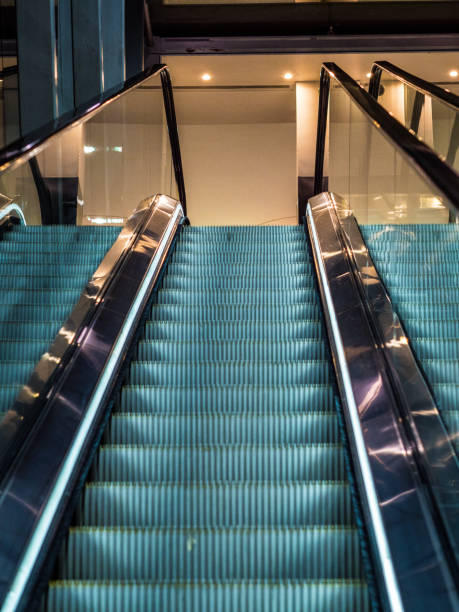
x=408 y=522
x=35 y=490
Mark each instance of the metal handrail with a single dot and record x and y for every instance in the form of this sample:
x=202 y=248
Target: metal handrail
x=424 y=87
x=440 y=176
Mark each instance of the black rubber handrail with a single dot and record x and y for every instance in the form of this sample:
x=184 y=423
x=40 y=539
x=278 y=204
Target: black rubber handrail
x=439 y=175
x=26 y=147
x=424 y=87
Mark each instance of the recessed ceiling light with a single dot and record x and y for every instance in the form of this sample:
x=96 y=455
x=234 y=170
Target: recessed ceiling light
x=288 y=76
x=453 y=73
x=206 y=76
x=368 y=75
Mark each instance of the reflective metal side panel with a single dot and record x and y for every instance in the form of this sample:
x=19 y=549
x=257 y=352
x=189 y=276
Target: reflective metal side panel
x=413 y=571
x=424 y=426
x=40 y=481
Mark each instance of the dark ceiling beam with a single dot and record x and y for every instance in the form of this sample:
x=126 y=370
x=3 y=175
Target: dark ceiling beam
x=319 y=19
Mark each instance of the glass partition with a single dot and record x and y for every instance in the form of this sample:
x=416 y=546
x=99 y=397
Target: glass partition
x=99 y=170
x=378 y=183
x=74 y=195
x=430 y=118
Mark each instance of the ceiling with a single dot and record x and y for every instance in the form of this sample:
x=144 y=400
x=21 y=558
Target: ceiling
x=251 y=88
x=256 y=70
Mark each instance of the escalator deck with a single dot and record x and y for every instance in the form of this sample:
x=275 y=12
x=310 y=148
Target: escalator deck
x=221 y=480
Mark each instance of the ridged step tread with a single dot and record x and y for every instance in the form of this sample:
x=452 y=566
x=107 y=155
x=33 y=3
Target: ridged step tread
x=218 y=428
x=211 y=554
x=144 y=505
x=220 y=463
x=234 y=399
x=256 y=596
x=224 y=312
x=235 y=350
x=228 y=330
x=238 y=296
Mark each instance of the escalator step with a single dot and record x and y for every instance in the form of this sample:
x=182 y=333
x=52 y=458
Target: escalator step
x=238 y=296
x=218 y=428
x=235 y=312
x=146 y=505
x=227 y=399
x=244 y=330
x=256 y=596
x=211 y=554
x=242 y=350
x=221 y=463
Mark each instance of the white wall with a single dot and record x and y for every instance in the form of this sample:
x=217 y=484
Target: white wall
x=240 y=174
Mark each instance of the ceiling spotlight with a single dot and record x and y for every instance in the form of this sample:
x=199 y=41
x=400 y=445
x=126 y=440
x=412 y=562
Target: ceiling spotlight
x=206 y=76
x=368 y=75
x=288 y=76
x=453 y=73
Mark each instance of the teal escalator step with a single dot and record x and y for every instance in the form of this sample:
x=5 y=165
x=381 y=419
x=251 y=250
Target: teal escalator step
x=228 y=258
x=240 y=281
x=218 y=428
x=424 y=281
x=441 y=370
x=22 y=350
x=40 y=296
x=254 y=330
x=8 y=394
x=295 y=504
x=238 y=296
x=446 y=328
x=26 y=312
x=226 y=399
x=42 y=282
x=233 y=312
x=220 y=463
x=20 y=330
x=423 y=296
x=15 y=372
x=436 y=348
x=229 y=373
x=76 y=268
x=271 y=596
x=235 y=350
x=247 y=269
x=447 y=395
x=211 y=554
x=430 y=311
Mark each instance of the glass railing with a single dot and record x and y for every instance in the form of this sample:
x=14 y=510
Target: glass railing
x=429 y=111
x=401 y=193
x=66 y=189
x=98 y=170
x=376 y=179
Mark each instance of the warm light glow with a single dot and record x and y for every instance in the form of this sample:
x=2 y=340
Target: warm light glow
x=453 y=73
x=288 y=76
x=88 y=149
x=206 y=76
x=368 y=75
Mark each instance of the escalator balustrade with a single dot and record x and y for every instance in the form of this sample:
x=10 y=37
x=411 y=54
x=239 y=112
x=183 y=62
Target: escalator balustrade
x=416 y=264
x=221 y=481
x=43 y=272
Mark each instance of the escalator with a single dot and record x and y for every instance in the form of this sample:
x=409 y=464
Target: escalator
x=218 y=423
x=222 y=462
